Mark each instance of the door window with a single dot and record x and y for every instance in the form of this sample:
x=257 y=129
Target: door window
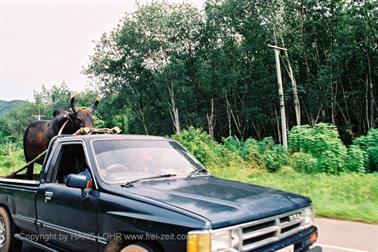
x=70 y=160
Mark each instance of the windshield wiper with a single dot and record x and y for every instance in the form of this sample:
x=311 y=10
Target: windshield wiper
x=153 y=177
x=196 y=171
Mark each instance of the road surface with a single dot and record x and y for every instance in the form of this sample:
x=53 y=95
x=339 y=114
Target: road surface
x=346 y=236
x=334 y=236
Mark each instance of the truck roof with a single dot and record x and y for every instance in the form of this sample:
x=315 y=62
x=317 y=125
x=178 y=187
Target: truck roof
x=111 y=136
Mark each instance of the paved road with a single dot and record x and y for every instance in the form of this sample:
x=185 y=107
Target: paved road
x=336 y=236
x=345 y=236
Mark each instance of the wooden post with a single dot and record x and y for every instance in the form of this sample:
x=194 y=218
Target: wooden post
x=281 y=94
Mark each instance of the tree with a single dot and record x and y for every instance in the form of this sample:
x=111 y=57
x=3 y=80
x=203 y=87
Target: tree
x=170 y=66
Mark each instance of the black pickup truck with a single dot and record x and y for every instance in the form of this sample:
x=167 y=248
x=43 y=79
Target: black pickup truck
x=148 y=194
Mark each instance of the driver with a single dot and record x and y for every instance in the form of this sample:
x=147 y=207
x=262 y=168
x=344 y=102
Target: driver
x=87 y=173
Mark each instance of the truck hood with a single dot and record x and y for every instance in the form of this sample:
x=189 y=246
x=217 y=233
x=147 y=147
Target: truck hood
x=222 y=202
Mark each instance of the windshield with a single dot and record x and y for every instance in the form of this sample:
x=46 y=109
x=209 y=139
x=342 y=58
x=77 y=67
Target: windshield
x=125 y=160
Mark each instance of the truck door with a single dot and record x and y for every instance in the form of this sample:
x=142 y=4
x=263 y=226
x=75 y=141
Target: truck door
x=66 y=216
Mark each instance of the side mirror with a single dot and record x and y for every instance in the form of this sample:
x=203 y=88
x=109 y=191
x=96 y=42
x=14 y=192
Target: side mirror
x=76 y=181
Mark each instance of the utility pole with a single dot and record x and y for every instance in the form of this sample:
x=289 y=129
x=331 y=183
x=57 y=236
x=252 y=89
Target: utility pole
x=277 y=51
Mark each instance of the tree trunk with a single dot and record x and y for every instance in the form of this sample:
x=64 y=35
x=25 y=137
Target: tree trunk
x=367 y=103
x=175 y=115
x=177 y=121
x=211 y=119
x=307 y=67
x=371 y=91
x=237 y=122
x=174 y=109
x=141 y=118
x=297 y=104
x=228 y=107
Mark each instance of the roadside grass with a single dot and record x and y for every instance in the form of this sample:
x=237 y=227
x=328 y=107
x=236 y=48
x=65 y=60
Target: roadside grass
x=12 y=159
x=348 y=196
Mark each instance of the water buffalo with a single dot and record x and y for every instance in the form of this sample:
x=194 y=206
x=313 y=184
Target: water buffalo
x=39 y=133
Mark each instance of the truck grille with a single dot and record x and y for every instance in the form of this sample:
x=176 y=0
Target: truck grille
x=262 y=232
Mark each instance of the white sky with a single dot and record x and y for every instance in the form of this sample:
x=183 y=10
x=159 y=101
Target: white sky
x=48 y=42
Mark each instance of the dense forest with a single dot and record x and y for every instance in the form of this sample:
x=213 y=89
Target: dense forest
x=167 y=67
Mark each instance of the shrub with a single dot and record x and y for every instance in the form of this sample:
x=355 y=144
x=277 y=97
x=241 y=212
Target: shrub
x=234 y=145
x=323 y=143
x=303 y=162
x=199 y=143
x=241 y=148
x=356 y=159
x=265 y=153
x=274 y=155
x=219 y=160
x=369 y=144
x=206 y=150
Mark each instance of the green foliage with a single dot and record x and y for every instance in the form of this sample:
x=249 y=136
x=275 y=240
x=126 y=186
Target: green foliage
x=58 y=96
x=172 y=58
x=13 y=124
x=303 y=162
x=242 y=148
x=369 y=144
x=312 y=150
x=144 y=65
x=274 y=155
x=220 y=160
x=268 y=154
x=323 y=143
x=11 y=158
x=356 y=159
x=47 y=100
x=199 y=143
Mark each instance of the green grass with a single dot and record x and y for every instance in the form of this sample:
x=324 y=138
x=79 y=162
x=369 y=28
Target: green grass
x=12 y=159
x=348 y=196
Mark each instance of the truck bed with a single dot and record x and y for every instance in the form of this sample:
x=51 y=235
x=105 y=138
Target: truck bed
x=19 y=197
x=19 y=181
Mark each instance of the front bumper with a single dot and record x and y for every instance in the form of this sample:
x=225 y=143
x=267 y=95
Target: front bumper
x=301 y=241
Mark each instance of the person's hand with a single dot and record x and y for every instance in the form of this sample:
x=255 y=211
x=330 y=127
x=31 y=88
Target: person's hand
x=90 y=184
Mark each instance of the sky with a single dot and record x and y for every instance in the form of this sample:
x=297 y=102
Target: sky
x=48 y=42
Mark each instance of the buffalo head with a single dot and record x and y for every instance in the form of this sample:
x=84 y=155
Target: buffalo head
x=82 y=117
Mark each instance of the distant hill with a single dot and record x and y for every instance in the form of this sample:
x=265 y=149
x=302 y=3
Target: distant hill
x=6 y=106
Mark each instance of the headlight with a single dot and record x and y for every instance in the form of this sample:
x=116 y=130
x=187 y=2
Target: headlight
x=308 y=215
x=212 y=241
